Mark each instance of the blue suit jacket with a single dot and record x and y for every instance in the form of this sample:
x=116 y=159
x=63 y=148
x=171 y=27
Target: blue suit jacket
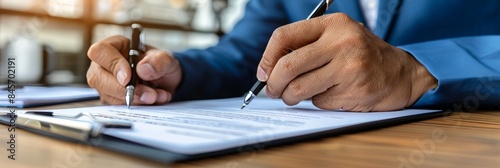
x=456 y=40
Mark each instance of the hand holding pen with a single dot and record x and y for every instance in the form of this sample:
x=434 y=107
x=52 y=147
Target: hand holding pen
x=110 y=72
x=257 y=87
x=338 y=63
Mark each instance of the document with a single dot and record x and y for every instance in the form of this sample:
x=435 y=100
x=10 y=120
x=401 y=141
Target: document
x=197 y=127
x=30 y=96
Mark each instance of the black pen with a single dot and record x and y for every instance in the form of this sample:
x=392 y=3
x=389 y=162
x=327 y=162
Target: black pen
x=136 y=48
x=318 y=11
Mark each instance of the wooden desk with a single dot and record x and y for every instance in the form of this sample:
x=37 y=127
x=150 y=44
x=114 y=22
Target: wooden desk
x=469 y=140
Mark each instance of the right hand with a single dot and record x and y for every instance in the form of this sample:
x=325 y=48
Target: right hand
x=110 y=72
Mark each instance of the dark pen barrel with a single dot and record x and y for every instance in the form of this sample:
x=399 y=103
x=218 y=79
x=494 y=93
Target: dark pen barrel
x=135 y=51
x=132 y=62
x=135 y=43
x=257 y=87
x=320 y=9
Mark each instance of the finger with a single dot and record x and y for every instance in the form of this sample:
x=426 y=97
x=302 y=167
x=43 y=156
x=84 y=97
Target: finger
x=283 y=40
x=156 y=64
x=342 y=97
x=294 y=64
x=103 y=81
x=153 y=96
x=145 y=95
x=163 y=96
x=331 y=99
x=307 y=85
x=109 y=54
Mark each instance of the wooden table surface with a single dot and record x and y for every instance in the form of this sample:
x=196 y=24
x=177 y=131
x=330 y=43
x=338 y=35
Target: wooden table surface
x=460 y=140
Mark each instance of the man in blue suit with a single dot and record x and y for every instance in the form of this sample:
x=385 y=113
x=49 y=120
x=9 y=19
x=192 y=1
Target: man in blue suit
x=418 y=54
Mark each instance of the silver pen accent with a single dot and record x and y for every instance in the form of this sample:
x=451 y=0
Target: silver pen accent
x=256 y=88
x=248 y=98
x=129 y=95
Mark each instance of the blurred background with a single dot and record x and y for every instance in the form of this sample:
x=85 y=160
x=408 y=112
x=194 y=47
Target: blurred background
x=49 y=38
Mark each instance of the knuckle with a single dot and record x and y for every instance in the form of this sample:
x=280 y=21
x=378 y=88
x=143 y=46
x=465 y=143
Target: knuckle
x=92 y=78
x=161 y=61
x=289 y=68
x=334 y=19
x=280 y=36
x=272 y=91
x=356 y=40
x=279 y=33
x=94 y=49
x=266 y=62
x=297 y=89
x=99 y=53
x=356 y=67
x=339 y=16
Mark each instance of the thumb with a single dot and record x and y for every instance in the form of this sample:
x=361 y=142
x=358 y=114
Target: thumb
x=155 y=64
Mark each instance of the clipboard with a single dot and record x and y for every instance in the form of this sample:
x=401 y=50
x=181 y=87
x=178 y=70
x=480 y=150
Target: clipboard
x=125 y=146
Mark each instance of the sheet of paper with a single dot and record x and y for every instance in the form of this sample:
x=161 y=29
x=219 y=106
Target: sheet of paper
x=203 y=126
x=40 y=95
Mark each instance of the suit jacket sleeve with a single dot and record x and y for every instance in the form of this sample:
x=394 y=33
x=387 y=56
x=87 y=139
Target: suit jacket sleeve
x=467 y=70
x=228 y=69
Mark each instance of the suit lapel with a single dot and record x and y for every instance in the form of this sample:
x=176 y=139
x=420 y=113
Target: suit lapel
x=387 y=11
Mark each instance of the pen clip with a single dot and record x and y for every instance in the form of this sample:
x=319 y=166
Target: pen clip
x=104 y=122
x=137 y=39
x=44 y=113
x=74 y=129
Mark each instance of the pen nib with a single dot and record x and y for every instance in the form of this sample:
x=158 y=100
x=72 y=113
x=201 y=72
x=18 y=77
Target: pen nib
x=129 y=95
x=128 y=101
x=243 y=106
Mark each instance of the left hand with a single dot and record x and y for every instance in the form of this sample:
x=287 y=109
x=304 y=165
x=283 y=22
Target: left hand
x=340 y=65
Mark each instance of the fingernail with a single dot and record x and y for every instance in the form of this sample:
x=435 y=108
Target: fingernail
x=147 y=98
x=147 y=69
x=261 y=75
x=121 y=76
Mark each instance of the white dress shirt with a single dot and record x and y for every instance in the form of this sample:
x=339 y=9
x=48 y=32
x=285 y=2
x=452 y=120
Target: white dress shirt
x=370 y=12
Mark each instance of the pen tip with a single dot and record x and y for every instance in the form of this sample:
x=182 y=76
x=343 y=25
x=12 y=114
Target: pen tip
x=243 y=106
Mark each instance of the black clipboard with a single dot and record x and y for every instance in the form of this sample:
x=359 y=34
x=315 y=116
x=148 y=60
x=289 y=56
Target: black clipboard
x=150 y=153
